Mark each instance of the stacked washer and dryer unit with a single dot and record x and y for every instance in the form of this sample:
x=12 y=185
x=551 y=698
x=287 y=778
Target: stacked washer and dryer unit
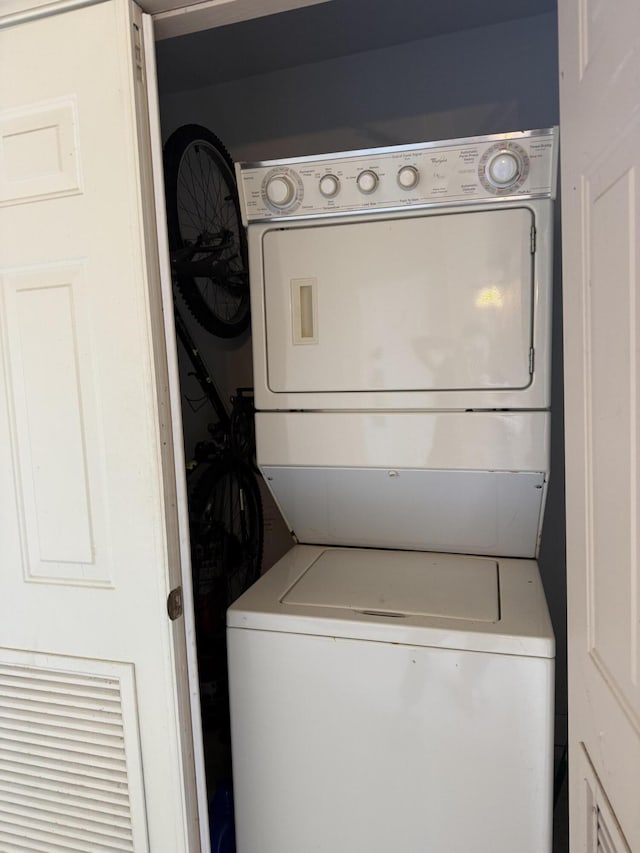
x=392 y=678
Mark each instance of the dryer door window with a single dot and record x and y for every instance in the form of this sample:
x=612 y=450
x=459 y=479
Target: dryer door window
x=431 y=302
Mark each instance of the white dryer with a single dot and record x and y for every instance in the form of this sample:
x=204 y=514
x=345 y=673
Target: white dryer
x=401 y=322
x=396 y=692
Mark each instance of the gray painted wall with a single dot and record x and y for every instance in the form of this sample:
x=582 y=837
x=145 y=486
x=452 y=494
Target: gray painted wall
x=485 y=80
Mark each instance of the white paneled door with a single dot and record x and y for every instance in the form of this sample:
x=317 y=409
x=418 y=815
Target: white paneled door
x=600 y=128
x=96 y=750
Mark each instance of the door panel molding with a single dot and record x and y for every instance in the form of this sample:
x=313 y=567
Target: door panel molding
x=610 y=200
x=52 y=385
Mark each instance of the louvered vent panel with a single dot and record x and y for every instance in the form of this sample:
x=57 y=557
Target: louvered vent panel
x=605 y=841
x=63 y=770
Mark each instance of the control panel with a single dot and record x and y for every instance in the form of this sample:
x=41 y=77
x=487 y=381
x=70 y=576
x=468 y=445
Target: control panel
x=477 y=169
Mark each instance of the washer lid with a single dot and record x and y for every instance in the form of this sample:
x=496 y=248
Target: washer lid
x=389 y=583
x=409 y=597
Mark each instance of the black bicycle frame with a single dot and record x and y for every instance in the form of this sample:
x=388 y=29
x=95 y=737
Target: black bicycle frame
x=200 y=371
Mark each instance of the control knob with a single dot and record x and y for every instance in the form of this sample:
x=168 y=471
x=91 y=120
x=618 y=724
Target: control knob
x=367 y=181
x=503 y=169
x=329 y=186
x=280 y=190
x=408 y=177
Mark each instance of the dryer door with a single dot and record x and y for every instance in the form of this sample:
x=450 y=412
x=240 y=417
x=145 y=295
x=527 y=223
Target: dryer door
x=431 y=302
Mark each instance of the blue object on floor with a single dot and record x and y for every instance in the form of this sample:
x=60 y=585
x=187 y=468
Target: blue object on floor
x=223 y=837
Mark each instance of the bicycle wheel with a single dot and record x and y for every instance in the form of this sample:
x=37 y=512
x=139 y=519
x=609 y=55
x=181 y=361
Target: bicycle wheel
x=203 y=215
x=226 y=525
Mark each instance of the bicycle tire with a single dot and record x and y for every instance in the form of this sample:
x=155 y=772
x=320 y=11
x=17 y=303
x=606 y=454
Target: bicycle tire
x=227 y=531
x=202 y=206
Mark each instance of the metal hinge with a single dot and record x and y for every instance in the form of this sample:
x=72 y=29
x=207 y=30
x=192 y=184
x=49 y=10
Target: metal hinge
x=532 y=358
x=533 y=239
x=174 y=603
x=138 y=56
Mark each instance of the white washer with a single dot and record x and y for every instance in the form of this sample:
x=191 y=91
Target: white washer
x=401 y=314
x=387 y=700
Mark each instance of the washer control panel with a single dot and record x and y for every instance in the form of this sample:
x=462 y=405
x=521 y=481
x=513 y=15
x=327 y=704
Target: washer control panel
x=511 y=165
